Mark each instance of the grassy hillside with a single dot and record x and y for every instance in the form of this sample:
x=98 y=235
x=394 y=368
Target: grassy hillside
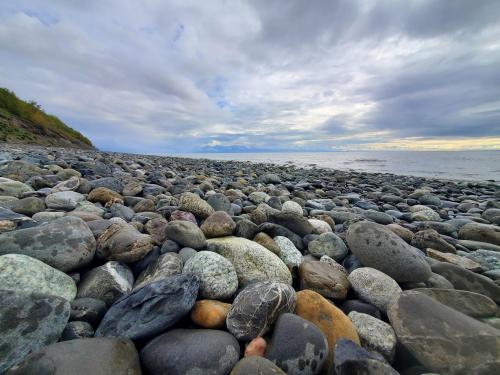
x=26 y=122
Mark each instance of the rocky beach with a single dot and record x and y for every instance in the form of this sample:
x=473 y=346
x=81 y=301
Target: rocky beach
x=114 y=263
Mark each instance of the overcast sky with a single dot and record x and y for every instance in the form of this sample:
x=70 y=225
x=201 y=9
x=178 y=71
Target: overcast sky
x=158 y=76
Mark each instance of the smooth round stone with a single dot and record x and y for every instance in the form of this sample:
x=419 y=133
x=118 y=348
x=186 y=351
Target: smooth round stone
x=258 y=197
x=77 y=330
x=296 y=223
x=333 y=263
x=251 y=261
x=23 y=274
x=256 y=365
x=256 y=308
x=64 y=200
x=218 y=279
x=468 y=303
x=320 y=226
x=156 y=229
x=488 y=259
x=88 y=310
x=297 y=346
x=466 y=280
x=96 y=356
x=351 y=359
x=219 y=224
x=13 y=188
x=210 y=314
x=480 y=232
x=246 y=229
x=66 y=243
x=256 y=347
x=328 y=244
x=328 y=318
x=374 y=334
x=378 y=247
x=170 y=246
x=27 y=206
x=191 y=351
x=291 y=206
x=361 y=307
x=28 y=322
x=404 y=233
x=324 y=279
x=220 y=202
x=132 y=188
x=108 y=282
x=438 y=281
x=443 y=339
x=191 y=202
x=374 y=287
x=186 y=253
x=103 y=195
x=186 y=234
x=166 y=265
x=274 y=230
x=425 y=215
x=183 y=216
x=289 y=254
x=378 y=217
x=152 y=309
x=124 y=243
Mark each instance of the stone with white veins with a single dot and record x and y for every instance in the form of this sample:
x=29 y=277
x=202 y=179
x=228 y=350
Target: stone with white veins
x=108 y=282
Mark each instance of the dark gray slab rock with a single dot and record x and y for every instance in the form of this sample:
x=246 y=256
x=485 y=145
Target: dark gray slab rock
x=27 y=323
x=191 y=351
x=296 y=223
x=351 y=359
x=166 y=265
x=297 y=346
x=443 y=339
x=152 y=309
x=466 y=280
x=66 y=243
x=378 y=247
x=96 y=356
x=256 y=308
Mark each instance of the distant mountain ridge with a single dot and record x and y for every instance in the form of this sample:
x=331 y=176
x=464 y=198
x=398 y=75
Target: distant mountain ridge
x=26 y=122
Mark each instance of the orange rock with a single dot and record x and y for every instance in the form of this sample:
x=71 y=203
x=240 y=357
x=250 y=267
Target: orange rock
x=256 y=347
x=210 y=314
x=329 y=319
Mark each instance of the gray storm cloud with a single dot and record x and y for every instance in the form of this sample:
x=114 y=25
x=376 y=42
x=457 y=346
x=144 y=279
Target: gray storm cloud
x=184 y=76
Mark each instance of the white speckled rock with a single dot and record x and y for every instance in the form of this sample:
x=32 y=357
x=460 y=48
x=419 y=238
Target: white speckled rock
x=21 y=273
x=289 y=254
x=252 y=262
x=320 y=226
x=291 y=206
x=191 y=202
x=13 y=188
x=218 y=279
x=374 y=287
x=375 y=334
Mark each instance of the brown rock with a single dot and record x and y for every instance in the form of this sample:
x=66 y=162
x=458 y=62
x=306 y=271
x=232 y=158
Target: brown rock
x=104 y=195
x=329 y=319
x=183 y=215
x=402 y=232
x=132 y=188
x=463 y=262
x=430 y=238
x=324 y=279
x=145 y=205
x=124 y=243
x=256 y=347
x=210 y=313
x=156 y=228
x=219 y=224
x=265 y=240
x=191 y=202
x=84 y=215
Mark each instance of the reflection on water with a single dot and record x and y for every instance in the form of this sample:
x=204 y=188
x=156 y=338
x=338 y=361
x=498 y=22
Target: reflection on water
x=468 y=165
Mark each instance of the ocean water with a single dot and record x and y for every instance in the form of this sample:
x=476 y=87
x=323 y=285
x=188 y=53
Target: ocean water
x=457 y=165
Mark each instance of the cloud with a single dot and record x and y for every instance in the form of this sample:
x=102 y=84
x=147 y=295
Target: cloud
x=185 y=76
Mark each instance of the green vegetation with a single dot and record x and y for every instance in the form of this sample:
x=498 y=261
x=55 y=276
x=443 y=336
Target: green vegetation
x=11 y=105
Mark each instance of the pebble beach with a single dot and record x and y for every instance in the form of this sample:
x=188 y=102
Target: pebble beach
x=114 y=263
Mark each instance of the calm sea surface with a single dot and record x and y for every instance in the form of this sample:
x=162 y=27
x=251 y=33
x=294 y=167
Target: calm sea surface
x=463 y=165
